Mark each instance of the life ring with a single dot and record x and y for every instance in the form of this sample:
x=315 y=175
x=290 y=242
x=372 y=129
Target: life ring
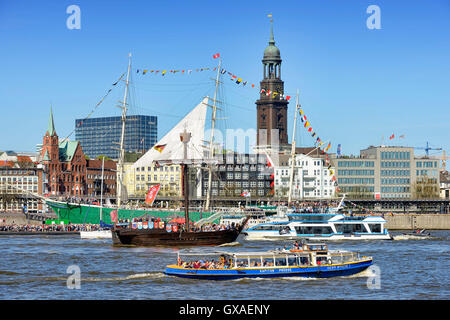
x=329 y=261
x=161 y=224
x=174 y=228
x=179 y=261
x=169 y=228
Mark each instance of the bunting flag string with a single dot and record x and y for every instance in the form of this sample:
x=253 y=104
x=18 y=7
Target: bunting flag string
x=233 y=77
x=163 y=72
x=319 y=143
x=310 y=129
x=79 y=124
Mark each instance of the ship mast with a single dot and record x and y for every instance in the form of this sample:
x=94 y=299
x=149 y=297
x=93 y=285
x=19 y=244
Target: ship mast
x=211 y=142
x=122 y=150
x=185 y=137
x=291 y=178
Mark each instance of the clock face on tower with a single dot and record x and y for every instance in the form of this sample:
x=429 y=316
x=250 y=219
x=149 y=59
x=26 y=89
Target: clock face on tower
x=279 y=89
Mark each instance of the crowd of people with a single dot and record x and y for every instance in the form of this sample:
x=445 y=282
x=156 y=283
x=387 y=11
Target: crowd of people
x=49 y=228
x=312 y=207
x=223 y=263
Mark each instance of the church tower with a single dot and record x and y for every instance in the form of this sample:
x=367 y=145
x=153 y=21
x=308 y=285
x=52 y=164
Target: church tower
x=50 y=155
x=271 y=105
x=50 y=147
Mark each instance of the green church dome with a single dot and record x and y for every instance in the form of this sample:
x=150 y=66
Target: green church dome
x=271 y=52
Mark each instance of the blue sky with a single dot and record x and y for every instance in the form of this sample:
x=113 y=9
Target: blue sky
x=356 y=85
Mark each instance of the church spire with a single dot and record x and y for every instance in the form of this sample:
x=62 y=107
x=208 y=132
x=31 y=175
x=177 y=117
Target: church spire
x=51 y=125
x=271 y=41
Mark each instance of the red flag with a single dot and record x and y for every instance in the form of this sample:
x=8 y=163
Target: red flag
x=151 y=195
x=288 y=97
x=269 y=162
x=216 y=56
x=391 y=137
x=113 y=215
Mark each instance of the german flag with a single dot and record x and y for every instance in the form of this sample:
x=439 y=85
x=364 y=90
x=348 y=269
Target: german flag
x=159 y=147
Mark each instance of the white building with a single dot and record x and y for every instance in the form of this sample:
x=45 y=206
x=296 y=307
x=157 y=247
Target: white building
x=444 y=185
x=312 y=177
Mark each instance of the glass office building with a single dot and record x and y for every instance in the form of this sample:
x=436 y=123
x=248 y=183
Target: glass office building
x=387 y=172
x=101 y=136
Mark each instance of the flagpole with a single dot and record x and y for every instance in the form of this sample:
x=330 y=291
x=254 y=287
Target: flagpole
x=291 y=179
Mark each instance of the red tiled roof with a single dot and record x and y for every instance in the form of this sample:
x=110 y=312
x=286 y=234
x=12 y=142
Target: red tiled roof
x=23 y=159
x=5 y=163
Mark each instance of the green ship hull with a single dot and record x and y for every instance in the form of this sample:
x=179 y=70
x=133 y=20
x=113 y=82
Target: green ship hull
x=77 y=213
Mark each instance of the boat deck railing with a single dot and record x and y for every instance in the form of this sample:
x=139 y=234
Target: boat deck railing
x=340 y=257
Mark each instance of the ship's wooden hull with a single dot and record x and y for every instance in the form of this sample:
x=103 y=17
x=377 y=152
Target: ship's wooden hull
x=160 y=237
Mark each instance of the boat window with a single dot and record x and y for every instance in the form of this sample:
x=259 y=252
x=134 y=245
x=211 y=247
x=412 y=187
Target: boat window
x=255 y=262
x=375 y=227
x=358 y=227
x=309 y=217
x=270 y=227
x=292 y=261
x=242 y=262
x=313 y=230
x=321 y=259
x=354 y=218
x=350 y=227
x=268 y=262
x=317 y=247
x=303 y=260
x=280 y=261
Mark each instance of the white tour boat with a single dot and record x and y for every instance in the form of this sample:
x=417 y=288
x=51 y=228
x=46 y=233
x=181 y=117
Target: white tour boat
x=323 y=226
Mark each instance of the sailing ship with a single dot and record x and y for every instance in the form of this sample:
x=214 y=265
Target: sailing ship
x=83 y=212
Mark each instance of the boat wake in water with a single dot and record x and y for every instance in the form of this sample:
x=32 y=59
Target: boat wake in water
x=231 y=244
x=412 y=237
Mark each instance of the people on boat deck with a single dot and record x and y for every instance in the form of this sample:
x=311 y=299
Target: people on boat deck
x=312 y=207
x=201 y=264
x=204 y=228
x=226 y=264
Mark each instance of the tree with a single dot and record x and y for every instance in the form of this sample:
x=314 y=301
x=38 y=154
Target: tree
x=102 y=156
x=355 y=192
x=425 y=188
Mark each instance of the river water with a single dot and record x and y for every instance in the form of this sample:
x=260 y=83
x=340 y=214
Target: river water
x=38 y=267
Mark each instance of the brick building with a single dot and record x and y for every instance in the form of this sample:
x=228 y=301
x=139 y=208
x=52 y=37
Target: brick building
x=69 y=172
x=94 y=178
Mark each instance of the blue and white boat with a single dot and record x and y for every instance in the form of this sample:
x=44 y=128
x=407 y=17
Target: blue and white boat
x=259 y=216
x=323 y=226
x=309 y=260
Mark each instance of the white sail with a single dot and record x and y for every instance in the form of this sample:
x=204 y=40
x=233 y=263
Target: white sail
x=172 y=147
